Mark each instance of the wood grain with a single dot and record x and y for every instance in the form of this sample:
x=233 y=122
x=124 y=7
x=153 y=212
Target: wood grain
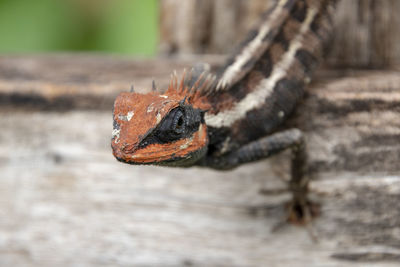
x=65 y=201
x=367 y=33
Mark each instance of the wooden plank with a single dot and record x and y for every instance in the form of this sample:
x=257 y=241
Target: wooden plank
x=352 y=121
x=63 y=82
x=64 y=199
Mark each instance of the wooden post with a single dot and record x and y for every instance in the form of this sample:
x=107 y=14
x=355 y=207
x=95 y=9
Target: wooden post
x=367 y=32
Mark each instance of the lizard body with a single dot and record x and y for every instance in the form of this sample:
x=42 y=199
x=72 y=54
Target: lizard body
x=232 y=118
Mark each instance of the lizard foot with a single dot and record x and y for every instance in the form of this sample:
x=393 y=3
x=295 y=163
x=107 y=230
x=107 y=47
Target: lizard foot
x=302 y=212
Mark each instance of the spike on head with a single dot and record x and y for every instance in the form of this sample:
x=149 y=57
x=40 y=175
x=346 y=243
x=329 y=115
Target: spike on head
x=162 y=129
x=182 y=82
x=182 y=103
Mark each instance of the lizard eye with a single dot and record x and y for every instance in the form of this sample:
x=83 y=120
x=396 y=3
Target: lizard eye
x=178 y=125
x=173 y=127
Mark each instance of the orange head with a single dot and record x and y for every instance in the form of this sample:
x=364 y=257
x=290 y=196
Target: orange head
x=161 y=128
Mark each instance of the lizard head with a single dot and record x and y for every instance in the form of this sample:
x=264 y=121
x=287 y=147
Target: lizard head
x=162 y=128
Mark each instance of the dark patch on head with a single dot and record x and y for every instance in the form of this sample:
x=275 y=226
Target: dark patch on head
x=179 y=123
x=308 y=60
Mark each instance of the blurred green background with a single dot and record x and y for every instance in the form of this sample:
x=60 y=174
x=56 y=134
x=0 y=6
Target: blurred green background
x=116 y=26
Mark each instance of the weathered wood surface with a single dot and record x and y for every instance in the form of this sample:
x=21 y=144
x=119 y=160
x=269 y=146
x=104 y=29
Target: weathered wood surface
x=353 y=121
x=63 y=82
x=367 y=32
x=65 y=201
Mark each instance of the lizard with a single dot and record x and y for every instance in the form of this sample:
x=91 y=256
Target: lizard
x=233 y=117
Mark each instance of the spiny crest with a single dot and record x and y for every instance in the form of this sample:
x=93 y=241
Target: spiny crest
x=193 y=86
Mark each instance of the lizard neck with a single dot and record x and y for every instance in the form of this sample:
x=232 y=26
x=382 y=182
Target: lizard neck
x=261 y=83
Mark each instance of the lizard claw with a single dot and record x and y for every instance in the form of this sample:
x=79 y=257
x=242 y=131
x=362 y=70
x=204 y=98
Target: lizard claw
x=302 y=212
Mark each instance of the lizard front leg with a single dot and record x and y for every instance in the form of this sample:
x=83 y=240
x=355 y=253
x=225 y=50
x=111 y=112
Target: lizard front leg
x=300 y=208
